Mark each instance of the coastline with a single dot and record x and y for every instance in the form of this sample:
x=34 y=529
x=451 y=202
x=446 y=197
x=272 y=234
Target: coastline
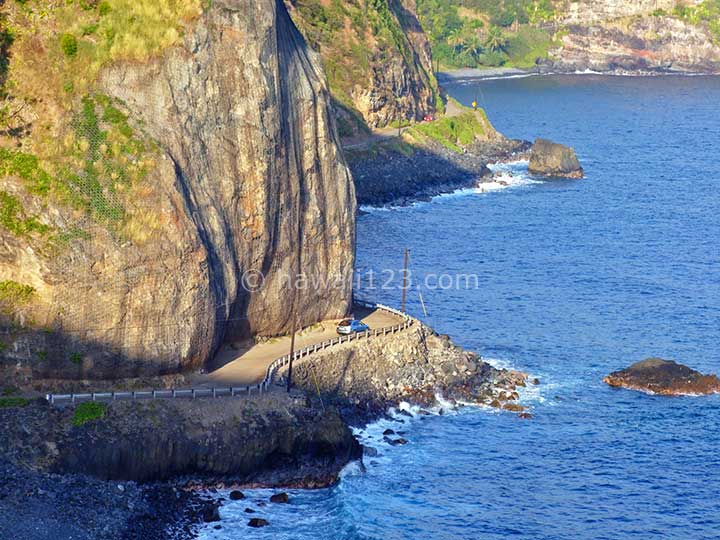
x=475 y=74
x=159 y=464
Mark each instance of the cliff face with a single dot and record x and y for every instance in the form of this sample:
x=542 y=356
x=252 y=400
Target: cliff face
x=614 y=35
x=376 y=55
x=243 y=439
x=243 y=186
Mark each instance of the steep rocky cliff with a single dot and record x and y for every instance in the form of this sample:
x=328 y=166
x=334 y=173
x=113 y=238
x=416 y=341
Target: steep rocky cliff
x=376 y=55
x=162 y=183
x=615 y=35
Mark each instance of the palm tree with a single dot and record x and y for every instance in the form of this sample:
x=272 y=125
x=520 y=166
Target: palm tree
x=495 y=39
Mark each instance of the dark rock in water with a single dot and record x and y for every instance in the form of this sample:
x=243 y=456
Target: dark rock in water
x=554 y=160
x=249 y=511
x=405 y=413
x=280 y=498
x=388 y=432
x=664 y=377
x=395 y=442
x=370 y=451
x=211 y=513
x=217 y=527
x=258 y=522
x=236 y=495
x=525 y=415
x=536 y=381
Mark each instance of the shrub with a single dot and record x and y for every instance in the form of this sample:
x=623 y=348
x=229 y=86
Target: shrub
x=8 y=402
x=76 y=358
x=69 y=45
x=88 y=412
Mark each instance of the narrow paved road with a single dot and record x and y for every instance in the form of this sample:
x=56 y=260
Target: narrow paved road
x=238 y=367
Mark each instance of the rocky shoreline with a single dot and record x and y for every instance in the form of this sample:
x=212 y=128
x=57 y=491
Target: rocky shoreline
x=146 y=470
x=398 y=174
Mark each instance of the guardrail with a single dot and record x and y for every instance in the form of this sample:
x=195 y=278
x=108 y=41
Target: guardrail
x=263 y=386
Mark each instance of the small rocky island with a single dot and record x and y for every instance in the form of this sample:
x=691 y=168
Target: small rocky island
x=554 y=160
x=664 y=377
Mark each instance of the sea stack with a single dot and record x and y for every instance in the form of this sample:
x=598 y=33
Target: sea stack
x=554 y=160
x=664 y=377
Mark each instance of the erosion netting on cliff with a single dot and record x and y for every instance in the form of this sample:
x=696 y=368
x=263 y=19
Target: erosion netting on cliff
x=153 y=155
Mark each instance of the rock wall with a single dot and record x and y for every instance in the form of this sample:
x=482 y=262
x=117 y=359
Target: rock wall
x=247 y=181
x=619 y=36
x=586 y=12
x=365 y=377
x=377 y=56
x=267 y=439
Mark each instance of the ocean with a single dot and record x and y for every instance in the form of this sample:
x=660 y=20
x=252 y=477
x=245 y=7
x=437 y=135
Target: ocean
x=573 y=280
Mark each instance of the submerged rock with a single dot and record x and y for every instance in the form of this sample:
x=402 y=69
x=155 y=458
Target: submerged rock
x=554 y=160
x=280 y=498
x=236 y=495
x=664 y=377
x=258 y=522
x=211 y=514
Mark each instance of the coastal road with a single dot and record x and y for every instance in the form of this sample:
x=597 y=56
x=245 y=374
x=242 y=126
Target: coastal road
x=238 y=366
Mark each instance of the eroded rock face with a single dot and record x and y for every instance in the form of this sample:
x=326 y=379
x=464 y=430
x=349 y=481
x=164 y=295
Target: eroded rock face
x=249 y=189
x=554 y=160
x=618 y=36
x=267 y=440
x=664 y=377
x=392 y=78
x=413 y=365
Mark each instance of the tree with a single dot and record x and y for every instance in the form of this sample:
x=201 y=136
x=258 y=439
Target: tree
x=495 y=40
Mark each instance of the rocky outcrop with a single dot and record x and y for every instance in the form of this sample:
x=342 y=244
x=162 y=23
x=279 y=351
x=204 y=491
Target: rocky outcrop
x=245 y=188
x=643 y=36
x=377 y=57
x=272 y=439
x=658 y=376
x=364 y=378
x=554 y=160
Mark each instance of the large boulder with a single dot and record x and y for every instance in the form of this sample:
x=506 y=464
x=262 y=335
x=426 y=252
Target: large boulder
x=658 y=376
x=555 y=160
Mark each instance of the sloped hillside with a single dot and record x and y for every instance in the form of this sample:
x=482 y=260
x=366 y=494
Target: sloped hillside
x=376 y=57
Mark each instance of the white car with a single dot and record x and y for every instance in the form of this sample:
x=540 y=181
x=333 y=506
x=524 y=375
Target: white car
x=351 y=326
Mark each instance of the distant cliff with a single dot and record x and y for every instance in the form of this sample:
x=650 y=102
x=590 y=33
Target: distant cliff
x=156 y=159
x=376 y=56
x=648 y=35
x=569 y=35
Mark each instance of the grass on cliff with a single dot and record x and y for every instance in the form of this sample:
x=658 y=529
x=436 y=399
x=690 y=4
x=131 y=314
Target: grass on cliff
x=88 y=412
x=81 y=150
x=354 y=39
x=455 y=132
x=8 y=402
x=705 y=13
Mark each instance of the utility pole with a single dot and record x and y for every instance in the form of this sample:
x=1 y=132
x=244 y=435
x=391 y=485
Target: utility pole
x=292 y=352
x=405 y=279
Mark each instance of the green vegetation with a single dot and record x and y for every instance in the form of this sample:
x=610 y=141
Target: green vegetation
x=14 y=295
x=354 y=38
x=484 y=33
x=69 y=45
x=82 y=152
x=76 y=358
x=706 y=13
x=88 y=412
x=7 y=402
x=453 y=132
x=14 y=219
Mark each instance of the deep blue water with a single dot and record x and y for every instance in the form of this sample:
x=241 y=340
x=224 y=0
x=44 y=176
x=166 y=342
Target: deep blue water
x=576 y=279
